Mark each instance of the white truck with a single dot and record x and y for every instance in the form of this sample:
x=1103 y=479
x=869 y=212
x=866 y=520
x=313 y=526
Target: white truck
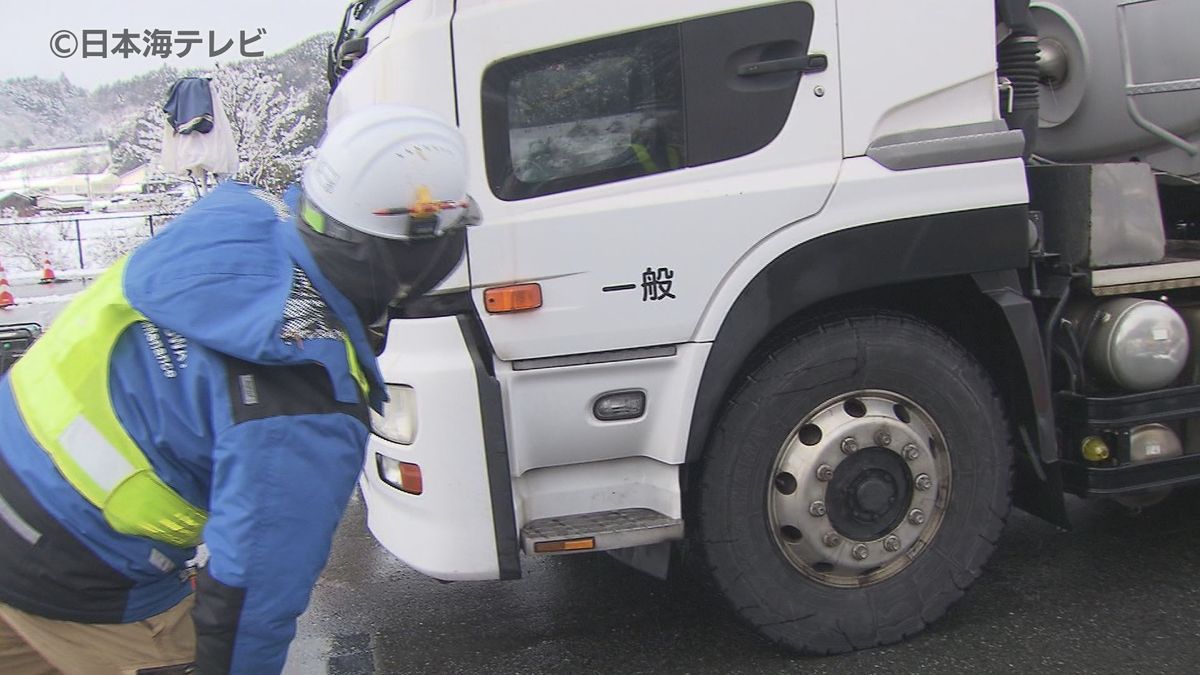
x=809 y=290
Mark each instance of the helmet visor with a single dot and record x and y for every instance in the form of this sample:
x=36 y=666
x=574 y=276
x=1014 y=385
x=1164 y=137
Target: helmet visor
x=322 y=223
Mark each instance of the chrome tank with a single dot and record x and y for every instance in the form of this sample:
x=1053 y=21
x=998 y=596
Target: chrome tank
x=1120 y=79
x=1139 y=345
x=1153 y=441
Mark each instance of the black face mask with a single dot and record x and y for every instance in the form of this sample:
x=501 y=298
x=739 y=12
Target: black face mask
x=376 y=272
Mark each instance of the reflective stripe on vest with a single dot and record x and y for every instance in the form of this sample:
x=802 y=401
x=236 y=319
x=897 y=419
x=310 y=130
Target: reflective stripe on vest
x=61 y=389
x=356 y=370
x=647 y=161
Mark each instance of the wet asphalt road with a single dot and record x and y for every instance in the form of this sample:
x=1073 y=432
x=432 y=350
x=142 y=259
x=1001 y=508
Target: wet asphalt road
x=1118 y=594
x=35 y=304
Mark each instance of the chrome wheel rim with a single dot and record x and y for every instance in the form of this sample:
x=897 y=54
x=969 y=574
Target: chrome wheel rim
x=859 y=488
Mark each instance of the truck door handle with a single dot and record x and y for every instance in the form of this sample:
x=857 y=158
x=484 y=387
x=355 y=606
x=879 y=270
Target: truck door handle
x=809 y=63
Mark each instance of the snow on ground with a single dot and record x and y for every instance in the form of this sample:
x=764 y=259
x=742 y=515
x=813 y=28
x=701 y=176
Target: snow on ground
x=93 y=239
x=48 y=299
x=42 y=313
x=36 y=275
x=75 y=244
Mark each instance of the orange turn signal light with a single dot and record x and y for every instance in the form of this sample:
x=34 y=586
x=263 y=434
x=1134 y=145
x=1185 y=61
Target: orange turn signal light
x=403 y=476
x=564 y=545
x=411 y=481
x=518 y=298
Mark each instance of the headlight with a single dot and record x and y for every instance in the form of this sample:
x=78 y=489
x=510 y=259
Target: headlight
x=398 y=423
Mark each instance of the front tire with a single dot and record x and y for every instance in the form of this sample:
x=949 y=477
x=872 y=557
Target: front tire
x=855 y=484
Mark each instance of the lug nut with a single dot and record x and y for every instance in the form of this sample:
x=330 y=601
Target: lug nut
x=891 y=544
x=849 y=446
x=923 y=482
x=860 y=552
x=911 y=452
x=817 y=509
x=916 y=517
x=824 y=472
x=882 y=437
x=831 y=539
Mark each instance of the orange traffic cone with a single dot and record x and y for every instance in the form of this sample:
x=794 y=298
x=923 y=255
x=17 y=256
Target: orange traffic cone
x=6 y=296
x=47 y=271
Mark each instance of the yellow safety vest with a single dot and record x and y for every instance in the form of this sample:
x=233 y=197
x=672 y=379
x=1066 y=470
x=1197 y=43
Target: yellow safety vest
x=647 y=161
x=61 y=389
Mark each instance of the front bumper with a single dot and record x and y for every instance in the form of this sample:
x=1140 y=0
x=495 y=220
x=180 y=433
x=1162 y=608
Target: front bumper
x=462 y=526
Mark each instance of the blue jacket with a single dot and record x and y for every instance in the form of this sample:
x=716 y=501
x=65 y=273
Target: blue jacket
x=230 y=292
x=189 y=106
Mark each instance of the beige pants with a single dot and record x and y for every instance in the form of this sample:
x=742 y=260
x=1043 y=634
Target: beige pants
x=31 y=645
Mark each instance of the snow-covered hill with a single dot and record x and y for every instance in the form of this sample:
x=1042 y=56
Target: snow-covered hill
x=43 y=113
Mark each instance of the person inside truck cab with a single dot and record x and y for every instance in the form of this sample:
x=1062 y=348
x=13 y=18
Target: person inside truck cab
x=651 y=148
x=214 y=386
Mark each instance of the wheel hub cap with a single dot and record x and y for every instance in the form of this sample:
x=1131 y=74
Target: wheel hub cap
x=868 y=494
x=855 y=527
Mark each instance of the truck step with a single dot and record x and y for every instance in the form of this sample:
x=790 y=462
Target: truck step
x=606 y=530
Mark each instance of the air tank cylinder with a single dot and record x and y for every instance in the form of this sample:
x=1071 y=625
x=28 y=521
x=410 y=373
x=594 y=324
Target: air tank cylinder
x=1137 y=344
x=1153 y=441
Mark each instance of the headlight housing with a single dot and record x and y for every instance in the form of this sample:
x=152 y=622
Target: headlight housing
x=398 y=423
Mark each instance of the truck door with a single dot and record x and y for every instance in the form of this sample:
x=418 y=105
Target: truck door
x=634 y=151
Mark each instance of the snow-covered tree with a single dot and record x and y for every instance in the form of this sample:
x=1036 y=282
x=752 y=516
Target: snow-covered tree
x=47 y=112
x=166 y=203
x=269 y=124
x=24 y=245
x=104 y=251
x=139 y=140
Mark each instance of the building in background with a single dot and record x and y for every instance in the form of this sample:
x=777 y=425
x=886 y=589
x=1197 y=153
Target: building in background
x=64 y=203
x=15 y=204
x=74 y=179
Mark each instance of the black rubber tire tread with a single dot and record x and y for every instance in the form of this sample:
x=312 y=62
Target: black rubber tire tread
x=839 y=354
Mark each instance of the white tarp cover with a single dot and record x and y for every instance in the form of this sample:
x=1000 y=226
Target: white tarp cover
x=214 y=152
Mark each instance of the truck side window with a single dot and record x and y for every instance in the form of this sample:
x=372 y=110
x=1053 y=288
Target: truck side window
x=614 y=108
x=586 y=114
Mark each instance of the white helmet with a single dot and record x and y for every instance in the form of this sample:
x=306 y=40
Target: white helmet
x=389 y=171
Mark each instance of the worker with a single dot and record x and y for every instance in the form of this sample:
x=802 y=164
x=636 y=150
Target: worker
x=214 y=387
x=651 y=150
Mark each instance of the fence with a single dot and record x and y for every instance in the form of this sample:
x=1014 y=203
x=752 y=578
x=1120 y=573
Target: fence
x=77 y=241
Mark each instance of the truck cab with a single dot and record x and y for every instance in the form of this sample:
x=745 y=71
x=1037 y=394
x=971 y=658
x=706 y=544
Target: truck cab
x=763 y=281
